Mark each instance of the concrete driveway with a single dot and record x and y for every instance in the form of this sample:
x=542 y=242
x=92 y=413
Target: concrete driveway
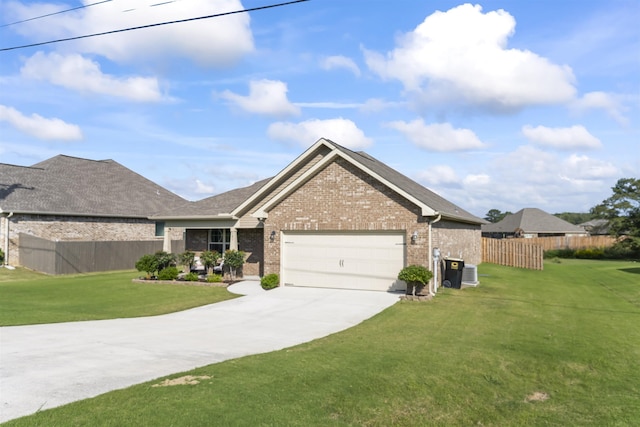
x=44 y=366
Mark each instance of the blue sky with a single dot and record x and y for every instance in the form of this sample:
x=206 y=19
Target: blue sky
x=499 y=104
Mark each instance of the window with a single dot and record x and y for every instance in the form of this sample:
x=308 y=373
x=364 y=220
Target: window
x=219 y=240
x=159 y=229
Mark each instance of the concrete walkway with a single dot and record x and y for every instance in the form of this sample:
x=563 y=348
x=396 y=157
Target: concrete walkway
x=44 y=366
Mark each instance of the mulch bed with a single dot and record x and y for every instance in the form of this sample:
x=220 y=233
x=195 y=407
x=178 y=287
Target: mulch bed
x=222 y=284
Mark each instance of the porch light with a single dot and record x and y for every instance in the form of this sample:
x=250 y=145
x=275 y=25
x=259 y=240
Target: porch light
x=414 y=237
x=272 y=236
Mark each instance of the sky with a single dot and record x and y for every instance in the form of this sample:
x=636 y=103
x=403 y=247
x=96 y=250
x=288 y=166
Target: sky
x=493 y=105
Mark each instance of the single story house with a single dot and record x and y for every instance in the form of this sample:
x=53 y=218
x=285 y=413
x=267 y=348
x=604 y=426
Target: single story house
x=66 y=199
x=531 y=222
x=597 y=227
x=332 y=218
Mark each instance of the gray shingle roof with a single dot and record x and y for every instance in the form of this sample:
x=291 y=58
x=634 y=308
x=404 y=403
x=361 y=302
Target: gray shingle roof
x=426 y=196
x=220 y=204
x=532 y=220
x=75 y=186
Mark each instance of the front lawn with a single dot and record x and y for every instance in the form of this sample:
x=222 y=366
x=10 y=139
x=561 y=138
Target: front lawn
x=559 y=347
x=29 y=298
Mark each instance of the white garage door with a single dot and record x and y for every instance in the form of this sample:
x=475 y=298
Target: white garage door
x=343 y=260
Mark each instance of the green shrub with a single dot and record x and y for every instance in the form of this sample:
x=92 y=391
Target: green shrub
x=560 y=253
x=270 y=281
x=147 y=263
x=191 y=277
x=625 y=249
x=209 y=259
x=214 y=278
x=1 y=256
x=187 y=259
x=234 y=259
x=590 y=253
x=165 y=259
x=169 y=273
x=415 y=274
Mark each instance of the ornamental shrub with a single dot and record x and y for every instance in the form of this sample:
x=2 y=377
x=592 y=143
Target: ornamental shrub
x=590 y=253
x=270 y=281
x=191 y=277
x=169 y=273
x=147 y=263
x=165 y=259
x=234 y=259
x=187 y=259
x=415 y=273
x=214 y=278
x=1 y=256
x=209 y=259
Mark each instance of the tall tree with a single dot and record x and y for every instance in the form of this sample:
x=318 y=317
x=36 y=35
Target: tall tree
x=494 y=215
x=622 y=209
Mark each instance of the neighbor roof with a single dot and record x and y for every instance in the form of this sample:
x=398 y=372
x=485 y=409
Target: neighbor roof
x=532 y=220
x=67 y=185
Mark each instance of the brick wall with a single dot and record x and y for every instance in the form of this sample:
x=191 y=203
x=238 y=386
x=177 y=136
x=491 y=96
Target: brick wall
x=66 y=228
x=458 y=240
x=251 y=242
x=342 y=197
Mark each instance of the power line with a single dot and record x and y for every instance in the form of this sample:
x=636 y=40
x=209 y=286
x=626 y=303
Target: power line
x=54 y=13
x=154 y=25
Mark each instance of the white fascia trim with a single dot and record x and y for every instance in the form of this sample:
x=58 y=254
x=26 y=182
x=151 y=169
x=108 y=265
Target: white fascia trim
x=264 y=190
x=262 y=211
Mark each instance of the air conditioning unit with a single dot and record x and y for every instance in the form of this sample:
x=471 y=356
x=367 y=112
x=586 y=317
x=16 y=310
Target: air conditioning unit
x=470 y=275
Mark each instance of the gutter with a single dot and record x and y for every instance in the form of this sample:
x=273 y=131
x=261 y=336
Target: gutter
x=6 y=238
x=431 y=256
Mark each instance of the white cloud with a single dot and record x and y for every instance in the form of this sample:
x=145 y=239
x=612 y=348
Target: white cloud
x=461 y=56
x=339 y=61
x=40 y=127
x=437 y=136
x=202 y=188
x=342 y=131
x=266 y=97
x=220 y=41
x=574 y=137
x=601 y=101
x=78 y=73
x=439 y=175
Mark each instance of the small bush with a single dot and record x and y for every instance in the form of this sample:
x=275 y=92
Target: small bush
x=415 y=273
x=169 y=273
x=214 y=278
x=147 y=263
x=165 y=259
x=1 y=256
x=590 y=253
x=270 y=281
x=191 y=277
x=560 y=253
x=187 y=259
x=625 y=249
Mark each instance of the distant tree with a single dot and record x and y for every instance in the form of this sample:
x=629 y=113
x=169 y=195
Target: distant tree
x=622 y=210
x=494 y=215
x=575 y=218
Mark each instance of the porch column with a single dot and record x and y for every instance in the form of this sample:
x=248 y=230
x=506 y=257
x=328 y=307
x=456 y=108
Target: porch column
x=166 y=243
x=233 y=243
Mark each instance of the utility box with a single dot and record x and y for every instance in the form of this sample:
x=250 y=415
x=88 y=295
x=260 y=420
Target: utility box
x=453 y=273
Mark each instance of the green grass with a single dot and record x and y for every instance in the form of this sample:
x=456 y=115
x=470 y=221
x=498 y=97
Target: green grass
x=31 y=298
x=469 y=357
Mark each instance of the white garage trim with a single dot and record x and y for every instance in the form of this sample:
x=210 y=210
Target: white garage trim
x=347 y=260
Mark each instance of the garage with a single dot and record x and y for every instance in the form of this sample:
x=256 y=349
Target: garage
x=357 y=260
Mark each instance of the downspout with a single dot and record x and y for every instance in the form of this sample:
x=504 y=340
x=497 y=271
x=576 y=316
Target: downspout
x=6 y=238
x=434 y=287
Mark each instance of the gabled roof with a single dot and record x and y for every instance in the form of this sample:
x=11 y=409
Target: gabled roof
x=220 y=205
x=431 y=203
x=259 y=197
x=532 y=220
x=65 y=185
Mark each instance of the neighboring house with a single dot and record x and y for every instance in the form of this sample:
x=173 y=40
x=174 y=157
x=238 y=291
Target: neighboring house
x=331 y=218
x=531 y=222
x=596 y=227
x=71 y=199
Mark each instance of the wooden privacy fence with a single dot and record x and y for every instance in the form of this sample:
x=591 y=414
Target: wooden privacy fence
x=84 y=257
x=513 y=253
x=572 y=242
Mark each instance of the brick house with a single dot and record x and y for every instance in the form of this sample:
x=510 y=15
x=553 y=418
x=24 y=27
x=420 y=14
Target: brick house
x=531 y=222
x=333 y=217
x=71 y=199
